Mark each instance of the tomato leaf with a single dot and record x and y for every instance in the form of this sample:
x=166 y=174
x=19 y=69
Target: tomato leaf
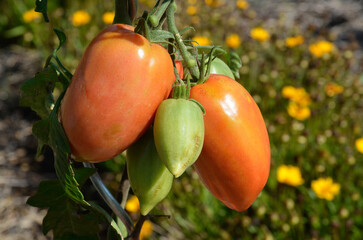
x=34 y=92
x=41 y=6
x=160 y=36
x=41 y=132
x=65 y=217
x=61 y=36
x=59 y=144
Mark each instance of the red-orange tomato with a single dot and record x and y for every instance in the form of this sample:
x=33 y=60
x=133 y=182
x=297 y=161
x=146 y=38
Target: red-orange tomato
x=114 y=93
x=235 y=161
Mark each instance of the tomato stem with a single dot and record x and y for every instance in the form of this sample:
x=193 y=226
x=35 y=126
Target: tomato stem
x=110 y=200
x=125 y=11
x=158 y=13
x=189 y=60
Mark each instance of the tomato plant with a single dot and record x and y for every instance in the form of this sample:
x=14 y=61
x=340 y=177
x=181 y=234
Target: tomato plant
x=235 y=160
x=115 y=91
x=109 y=104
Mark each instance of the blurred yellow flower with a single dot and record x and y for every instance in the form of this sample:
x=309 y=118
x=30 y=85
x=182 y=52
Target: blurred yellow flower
x=203 y=41
x=233 y=40
x=294 y=41
x=31 y=15
x=288 y=91
x=359 y=144
x=298 y=111
x=108 y=17
x=192 y=2
x=214 y=3
x=192 y=10
x=297 y=95
x=260 y=34
x=320 y=48
x=325 y=188
x=80 y=18
x=242 y=4
x=132 y=204
x=289 y=175
x=146 y=230
x=332 y=89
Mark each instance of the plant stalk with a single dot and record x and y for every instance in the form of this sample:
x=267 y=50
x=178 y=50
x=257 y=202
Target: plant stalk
x=110 y=200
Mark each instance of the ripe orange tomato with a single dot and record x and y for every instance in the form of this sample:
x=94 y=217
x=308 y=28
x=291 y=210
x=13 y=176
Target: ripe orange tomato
x=235 y=160
x=114 y=93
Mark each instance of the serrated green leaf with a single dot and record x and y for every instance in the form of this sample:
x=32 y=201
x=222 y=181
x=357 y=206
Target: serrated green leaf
x=49 y=193
x=61 y=37
x=65 y=217
x=59 y=143
x=70 y=218
x=35 y=91
x=158 y=36
x=41 y=132
x=41 y=6
x=82 y=174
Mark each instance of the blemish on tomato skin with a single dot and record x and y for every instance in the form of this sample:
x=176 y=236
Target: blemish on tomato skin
x=112 y=131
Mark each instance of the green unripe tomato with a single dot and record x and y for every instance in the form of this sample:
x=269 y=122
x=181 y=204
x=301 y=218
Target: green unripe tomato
x=150 y=180
x=178 y=134
x=220 y=67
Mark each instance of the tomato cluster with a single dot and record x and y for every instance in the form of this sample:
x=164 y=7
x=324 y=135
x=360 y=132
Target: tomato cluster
x=117 y=101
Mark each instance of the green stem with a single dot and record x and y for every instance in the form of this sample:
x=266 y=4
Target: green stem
x=190 y=62
x=154 y=19
x=122 y=12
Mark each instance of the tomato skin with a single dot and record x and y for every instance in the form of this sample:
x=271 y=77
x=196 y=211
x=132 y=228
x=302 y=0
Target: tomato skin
x=220 y=67
x=178 y=134
x=235 y=161
x=115 y=91
x=179 y=68
x=150 y=180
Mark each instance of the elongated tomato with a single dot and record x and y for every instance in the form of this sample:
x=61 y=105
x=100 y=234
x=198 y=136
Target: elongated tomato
x=235 y=160
x=115 y=91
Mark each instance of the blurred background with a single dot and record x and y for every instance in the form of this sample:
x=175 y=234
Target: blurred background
x=301 y=62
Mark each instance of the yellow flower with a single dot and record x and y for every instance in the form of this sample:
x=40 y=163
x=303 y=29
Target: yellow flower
x=192 y=2
x=359 y=144
x=31 y=15
x=203 y=41
x=146 y=230
x=132 y=204
x=332 y=89
x=260 y=34
x=108 y=17
x=233 y=40
x=297 y=95
x=289 y=175
x=80 y=18
x=214 y=3
x=294 y=41
x=325 y=188
x=242 y=4
x=320 y=48
x=297 y=111
x=192 y=10
x=288 y=92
